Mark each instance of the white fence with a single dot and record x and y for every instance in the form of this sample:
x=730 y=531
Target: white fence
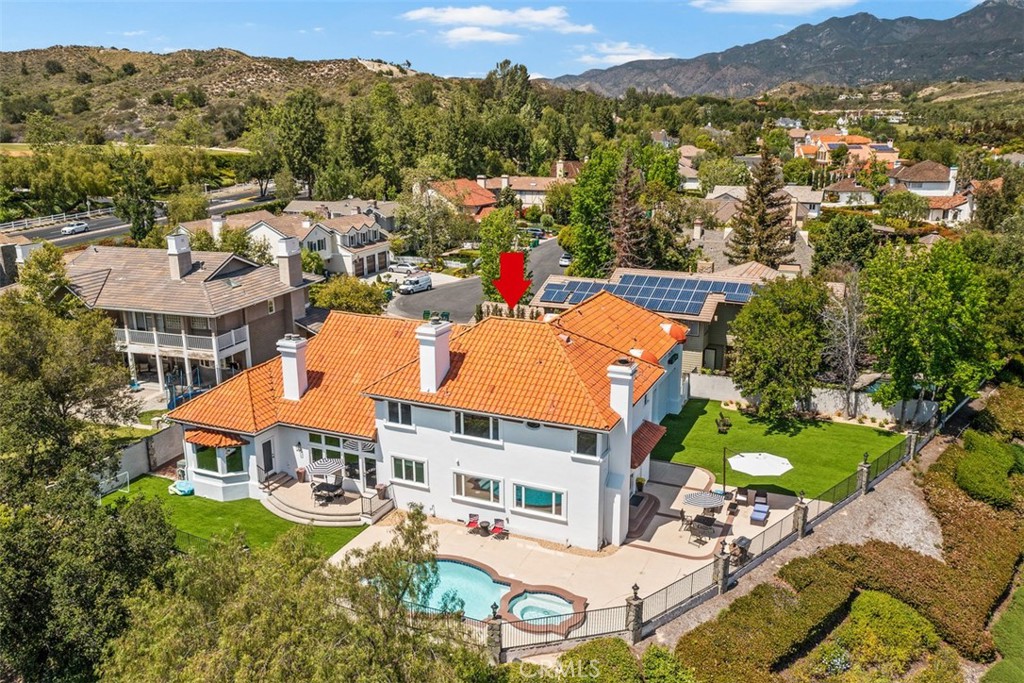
x=26 y=223
x=825 y=401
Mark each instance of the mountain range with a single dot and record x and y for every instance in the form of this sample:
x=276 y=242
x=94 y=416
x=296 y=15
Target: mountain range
x=984 y=43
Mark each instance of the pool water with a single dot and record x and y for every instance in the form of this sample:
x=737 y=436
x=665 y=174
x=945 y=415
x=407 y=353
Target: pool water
x=472 y=585
x=532 y=605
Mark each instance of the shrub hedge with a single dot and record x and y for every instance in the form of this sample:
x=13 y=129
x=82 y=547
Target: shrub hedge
x=983 y=470
x=273 y=206
x=1004 y=412
x=765 y=629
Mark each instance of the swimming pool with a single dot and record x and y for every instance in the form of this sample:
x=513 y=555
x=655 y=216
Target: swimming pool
x=477 y=590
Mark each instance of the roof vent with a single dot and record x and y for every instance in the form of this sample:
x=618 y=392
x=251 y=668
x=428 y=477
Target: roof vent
x=234 y=283
x=565 y=338
x=622 y=360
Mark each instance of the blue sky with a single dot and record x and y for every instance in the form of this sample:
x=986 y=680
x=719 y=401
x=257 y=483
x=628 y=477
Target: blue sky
x=446 y=38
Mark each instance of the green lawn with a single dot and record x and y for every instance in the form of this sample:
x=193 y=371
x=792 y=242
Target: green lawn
x=822 y=453
x=1008 y=633
x=146 y=416
x=205 y=518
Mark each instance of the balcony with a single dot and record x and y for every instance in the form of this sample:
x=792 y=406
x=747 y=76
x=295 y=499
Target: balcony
x=178 y=343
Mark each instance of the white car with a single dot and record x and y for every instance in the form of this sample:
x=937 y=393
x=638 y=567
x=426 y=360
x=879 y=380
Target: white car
x=403 y=268
x=74 y=228
x=565 y=260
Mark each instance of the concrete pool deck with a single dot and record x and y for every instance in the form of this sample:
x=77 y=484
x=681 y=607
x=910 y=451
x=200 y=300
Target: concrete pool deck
x=661 y=554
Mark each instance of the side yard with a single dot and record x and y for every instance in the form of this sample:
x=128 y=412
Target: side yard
x=204 y=518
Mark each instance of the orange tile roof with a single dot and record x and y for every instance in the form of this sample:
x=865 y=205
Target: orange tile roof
x=213 y=438
x=524 y=369
x=350 y=352
x=548 y=372
x=464 y=192
x=808 y=150
x=645 y=438
x=946 y=203
x=618 y=324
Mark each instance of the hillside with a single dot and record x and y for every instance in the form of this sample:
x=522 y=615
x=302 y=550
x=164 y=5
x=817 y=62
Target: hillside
x=984 y=43
x=149 y=93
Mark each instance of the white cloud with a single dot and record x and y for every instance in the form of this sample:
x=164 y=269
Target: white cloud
x=770 y=6
x=130 y=34
x=475 y=34
x=383 y=33
x=547 y=19
x=613 y=53
x=318 y=29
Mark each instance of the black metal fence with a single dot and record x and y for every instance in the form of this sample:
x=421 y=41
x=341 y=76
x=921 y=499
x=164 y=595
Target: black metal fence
x=591 y=623
x=888 y=459
x=770 y=537
x=188 y=543
x=370 y=505
x=678 y=592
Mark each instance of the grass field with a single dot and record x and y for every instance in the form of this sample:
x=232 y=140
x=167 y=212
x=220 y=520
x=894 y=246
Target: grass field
x=205 y=518
x=1008 y=633
x=822 y=453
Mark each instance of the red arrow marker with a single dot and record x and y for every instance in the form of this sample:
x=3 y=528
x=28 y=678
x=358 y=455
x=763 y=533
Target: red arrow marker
x=511 y=284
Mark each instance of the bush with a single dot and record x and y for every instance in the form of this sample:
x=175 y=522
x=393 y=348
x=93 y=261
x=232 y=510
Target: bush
x=660 y=666
x=53 y=67
x=79 y=104
x=1004 y=412
x=605 y=660
x=983 y=470
x=547 y=221
x=533 y=214
x=129 y=69
x=83 y=77
x=274 y=206
x=885 y=634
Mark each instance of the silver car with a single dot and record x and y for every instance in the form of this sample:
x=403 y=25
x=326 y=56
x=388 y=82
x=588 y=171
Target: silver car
x=74 y=228
x=403 y=268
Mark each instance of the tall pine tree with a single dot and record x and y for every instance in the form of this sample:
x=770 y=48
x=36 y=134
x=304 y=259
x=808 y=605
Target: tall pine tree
x=761 y=232
x=630 y=228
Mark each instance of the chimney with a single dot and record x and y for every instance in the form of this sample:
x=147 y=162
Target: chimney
x=356 y=211
x=217 y=225
x=435 y=358
x=560 y=168
x=705 y=266
x=953 y=172
x=481 y=180
x=698 y=229
x=504 y=181
x=294 y=379
x=307 y=222
x=180 y=254
x=289 y=260
x=23 y=251
x=621 y=375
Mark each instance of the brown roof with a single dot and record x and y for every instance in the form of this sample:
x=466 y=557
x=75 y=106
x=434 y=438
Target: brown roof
x=212 y=438
x=946 y=203
x=570 y=169
x=522 y=183
x=122 y=278
x=464 y=192
x=996 y=185
x=846 y=185
x=13 y=239
x=239 y=221
x=645 y=438
x=922 y=172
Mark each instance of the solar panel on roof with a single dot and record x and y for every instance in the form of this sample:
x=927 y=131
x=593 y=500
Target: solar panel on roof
x=718 y=287
x=677 y=307
x=577 y=297
x=661 y=292
x=627 y=279
x=561 y=296
x=731 y=287
x=703 y=286
x=693 y=308
x=689 y=284
x=745 y=289
x=548 y=296
x=646 y=292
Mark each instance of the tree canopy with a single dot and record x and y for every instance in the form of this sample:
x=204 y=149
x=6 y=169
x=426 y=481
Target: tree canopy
x=761 y=228
x=347 y=293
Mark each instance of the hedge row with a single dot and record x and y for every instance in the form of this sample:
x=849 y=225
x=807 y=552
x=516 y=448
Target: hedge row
x=763 y=631
x=605 y=660
x=274 y=206
x=981 y=547
x=983 y=470
x=1004 y=412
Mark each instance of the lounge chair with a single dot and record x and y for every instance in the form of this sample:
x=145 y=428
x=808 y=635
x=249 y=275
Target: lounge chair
x=498 y=528
x=760 y=514
x=743 y=496
x=473 y=523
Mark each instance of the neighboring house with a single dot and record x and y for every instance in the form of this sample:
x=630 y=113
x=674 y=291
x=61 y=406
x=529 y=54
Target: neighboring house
x=796 y=135
x=950 y=210
x=846 y=192
x=788 y=123
x=714 y=243
x=467 y=196
x=179 y=310
x=1015 y=158
x=547 y=425
x=384 y=213
x=661 y=137
x=820 y=144
x=530 y=190
x=14 y=249
x=566 y=169
x=705 y=302
x=926 y=178
x=688 y=177
x=805 y=201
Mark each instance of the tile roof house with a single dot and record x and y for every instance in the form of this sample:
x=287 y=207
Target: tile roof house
x=950 y=210
x=465 y=195
x=14 y=249
x=926 y=178
x=546 y=424
x=383 y=212
x=847 y=191
x=194 y=316
x=805 y=201
x=530 y=190
x=565 y=169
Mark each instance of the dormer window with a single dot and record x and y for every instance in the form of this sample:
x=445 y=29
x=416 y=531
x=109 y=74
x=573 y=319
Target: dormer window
x=399 y=413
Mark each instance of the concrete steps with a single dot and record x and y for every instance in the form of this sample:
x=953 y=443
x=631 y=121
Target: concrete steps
x=301 y=509
x=315 y=519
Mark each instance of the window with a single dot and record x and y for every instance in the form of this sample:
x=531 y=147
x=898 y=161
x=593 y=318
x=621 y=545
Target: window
x=233 y=459
x=270 y=307
x=399 y=413
x=532 y=499
x=479 y=426
x=480 y=488
x=206 y=459
x=199 y=323
x=324 y=446
x=414 y=471
x=586 y=443
x=172 y=323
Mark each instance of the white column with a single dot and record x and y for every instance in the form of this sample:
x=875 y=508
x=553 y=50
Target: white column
x=248 y=355
x=132 y=371
x=159 y=363
x=216 y=361
x=188 y=365
x=222 y=461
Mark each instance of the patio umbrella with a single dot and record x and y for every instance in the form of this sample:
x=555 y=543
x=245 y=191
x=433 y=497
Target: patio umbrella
x=760 y=464
x=325 y=467
x=704 y=499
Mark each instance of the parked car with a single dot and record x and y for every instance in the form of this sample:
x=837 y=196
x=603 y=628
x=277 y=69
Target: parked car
x=565 y=260
x=74 y=228
x=403 y=268
x=416 y=282
x=536 y=233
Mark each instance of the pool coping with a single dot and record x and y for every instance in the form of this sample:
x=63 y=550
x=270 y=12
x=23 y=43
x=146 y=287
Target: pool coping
x=517 y=588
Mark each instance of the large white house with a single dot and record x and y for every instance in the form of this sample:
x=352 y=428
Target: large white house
x=545 y=424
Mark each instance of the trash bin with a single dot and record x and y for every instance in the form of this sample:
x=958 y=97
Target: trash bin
x=300 y=474
x=382 y=490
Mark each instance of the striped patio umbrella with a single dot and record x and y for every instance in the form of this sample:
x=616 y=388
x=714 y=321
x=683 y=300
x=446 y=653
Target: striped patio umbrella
x=325 y=467
x=704 y=499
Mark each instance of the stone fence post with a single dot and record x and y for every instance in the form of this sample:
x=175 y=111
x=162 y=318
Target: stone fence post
x=914 y=436
x=494 y=636
x=864 y=475
x=721 y=569
x=635 y=616
x=800 y=517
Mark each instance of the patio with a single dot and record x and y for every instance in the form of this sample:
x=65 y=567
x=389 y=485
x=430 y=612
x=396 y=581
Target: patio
x=661 y=553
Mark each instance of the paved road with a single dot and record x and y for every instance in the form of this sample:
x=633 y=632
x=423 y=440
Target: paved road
x=111 y=226
x=460 y=298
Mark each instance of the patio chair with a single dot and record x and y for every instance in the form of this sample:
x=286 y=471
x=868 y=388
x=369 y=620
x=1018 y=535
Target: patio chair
x=760 y=497
x=685 y=523
x=743 y=496
x=760 y=514
x=474 y=522
x=498 y=529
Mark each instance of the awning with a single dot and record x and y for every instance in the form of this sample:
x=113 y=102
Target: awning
x=645 y=438
x=213 y=439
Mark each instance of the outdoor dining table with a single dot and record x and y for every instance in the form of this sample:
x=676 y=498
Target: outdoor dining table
x=704 y=520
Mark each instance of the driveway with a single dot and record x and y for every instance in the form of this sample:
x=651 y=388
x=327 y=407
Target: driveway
x=460 y=298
